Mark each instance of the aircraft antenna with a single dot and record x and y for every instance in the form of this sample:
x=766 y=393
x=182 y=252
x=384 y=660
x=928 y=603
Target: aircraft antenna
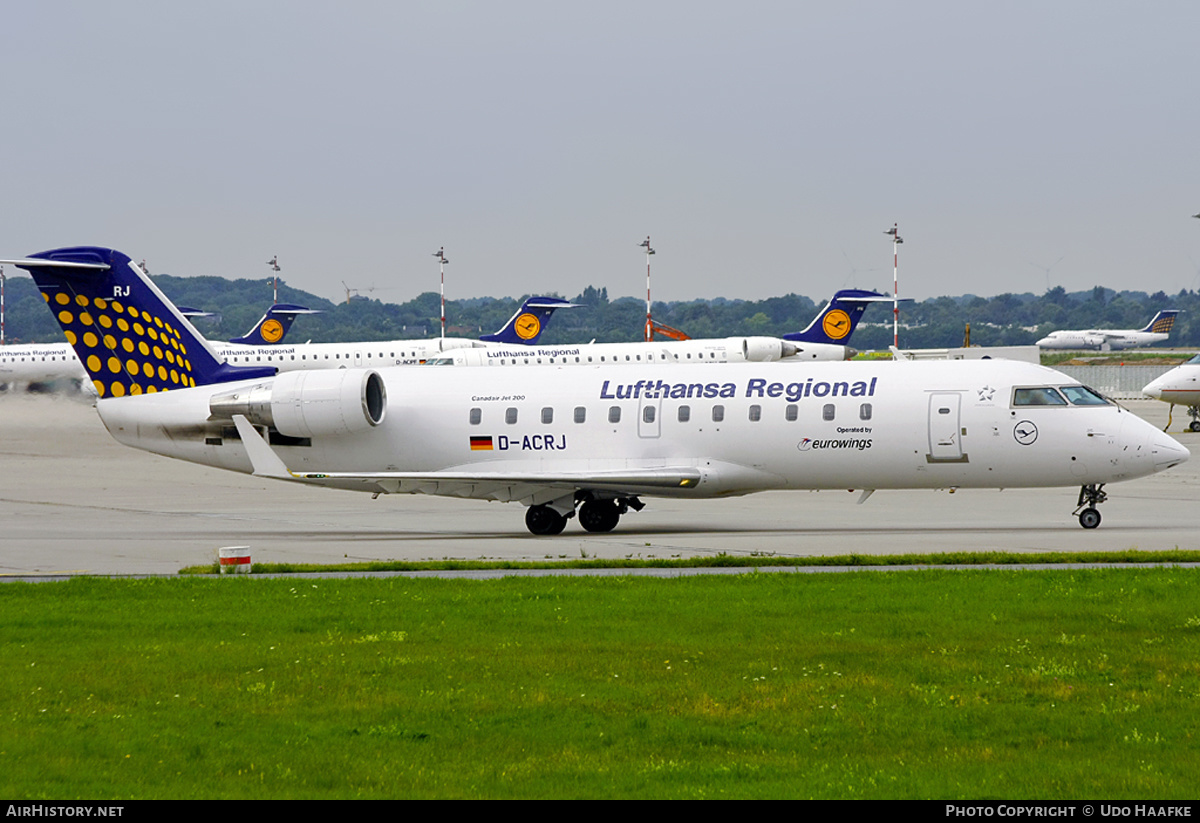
x=274 y=264
x=894 y=231
x=440 y=254
x=645 y=244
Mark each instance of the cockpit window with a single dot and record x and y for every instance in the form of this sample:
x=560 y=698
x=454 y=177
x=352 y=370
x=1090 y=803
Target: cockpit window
x=1083 y=396
x=1042 y=396
x=1195 y=361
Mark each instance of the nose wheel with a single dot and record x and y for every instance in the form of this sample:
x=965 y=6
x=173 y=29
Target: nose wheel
x=1090 y=497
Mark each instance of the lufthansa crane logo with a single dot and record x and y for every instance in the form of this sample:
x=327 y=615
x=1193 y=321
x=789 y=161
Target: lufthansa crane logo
x=528 y=326
x=836 y=324
x=1025 y=433
x=272 y=331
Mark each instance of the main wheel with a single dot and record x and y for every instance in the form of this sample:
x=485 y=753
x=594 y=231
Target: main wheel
x=1195 y=426
x=1089 y=518
x=599 y=516
x=544 y=520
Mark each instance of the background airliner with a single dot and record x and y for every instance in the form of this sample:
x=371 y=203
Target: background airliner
x=1180 y=386
x=825 y=338
x=522 y=329
x=592 y=441
x=1156 y=331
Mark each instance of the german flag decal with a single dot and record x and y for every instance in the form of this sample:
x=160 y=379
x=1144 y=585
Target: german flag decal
x=481 y=444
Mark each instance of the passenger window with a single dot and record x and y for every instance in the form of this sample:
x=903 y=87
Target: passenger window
x=547 y=415
x=827 y=411
x=648 y=414
x=864 y=411
x=614 y=414
x=1037 y=397
x=791 y=412
x=510 y=415
x=580 y=414
x=755 y=413
x=718 y=413
x=685 y=414
x=476 y=416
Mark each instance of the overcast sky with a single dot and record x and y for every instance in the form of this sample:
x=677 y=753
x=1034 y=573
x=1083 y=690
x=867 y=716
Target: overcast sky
x=763 y=146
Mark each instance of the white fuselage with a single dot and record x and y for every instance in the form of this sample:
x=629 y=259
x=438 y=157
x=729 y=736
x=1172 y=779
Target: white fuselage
x=305 y=356
x=1101 y=339
x=39 y=363
x=514 y=435
x=714 y=350
x=461 y=352
x=1181 y=385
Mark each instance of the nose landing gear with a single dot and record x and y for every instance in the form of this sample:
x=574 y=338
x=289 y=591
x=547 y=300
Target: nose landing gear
x=1090 y=496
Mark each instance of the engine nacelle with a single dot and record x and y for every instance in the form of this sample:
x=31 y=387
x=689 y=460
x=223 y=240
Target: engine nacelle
x=309 y=403
x=766 y=349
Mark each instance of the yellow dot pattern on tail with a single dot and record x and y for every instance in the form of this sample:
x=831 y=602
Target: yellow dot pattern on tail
x=125 y=350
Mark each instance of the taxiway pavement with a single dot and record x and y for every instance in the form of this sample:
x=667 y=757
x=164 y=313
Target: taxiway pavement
x=73 y=500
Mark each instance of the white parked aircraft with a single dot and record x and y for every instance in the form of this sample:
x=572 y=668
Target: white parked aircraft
x=594 y=440
x=824 y=339
x=1156 y=331
x=522 y=329
x=1180 y=386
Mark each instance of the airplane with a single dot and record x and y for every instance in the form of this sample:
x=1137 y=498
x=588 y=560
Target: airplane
x=589 y=442
x=27 y=363
x=522 y=329
x=1156 y=331
x=1179 y=386
x=825 y=338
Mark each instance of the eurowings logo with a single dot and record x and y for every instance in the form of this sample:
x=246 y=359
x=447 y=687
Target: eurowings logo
x=836 y=324
x=853 y=443
x=527 y=326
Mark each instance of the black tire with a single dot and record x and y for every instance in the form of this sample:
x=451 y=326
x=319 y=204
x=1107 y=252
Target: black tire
x=544 y=520
x=1195 y=426
x=599 y=516
x=1089 y=518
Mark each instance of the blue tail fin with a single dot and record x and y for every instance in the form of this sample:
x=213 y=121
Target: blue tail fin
x=128 y=335
x=837 y=321
x=273 y=326
x=1162 y=322
x=527 y=325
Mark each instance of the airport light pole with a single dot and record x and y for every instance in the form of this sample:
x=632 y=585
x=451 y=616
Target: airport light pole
x=894 y=231
x=440 y=254
x=645 y=244
x=274 y=264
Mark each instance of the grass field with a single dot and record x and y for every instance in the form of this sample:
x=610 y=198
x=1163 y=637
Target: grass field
x=929 y=684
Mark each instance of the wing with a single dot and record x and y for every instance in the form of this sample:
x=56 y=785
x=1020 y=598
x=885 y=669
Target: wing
x=502 y=486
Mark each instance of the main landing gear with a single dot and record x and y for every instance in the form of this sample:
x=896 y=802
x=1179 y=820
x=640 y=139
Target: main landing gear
x=1090 y=497
x=595 y=515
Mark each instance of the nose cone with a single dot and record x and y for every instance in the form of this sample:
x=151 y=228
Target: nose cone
x=1044 y=342
x=1144 y=450
x=1167 y=452
x=1154 y=389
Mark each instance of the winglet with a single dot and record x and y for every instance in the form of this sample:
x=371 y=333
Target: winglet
x=265 y=461
x=273 y=326
x=527 y=325
x=838 y=319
